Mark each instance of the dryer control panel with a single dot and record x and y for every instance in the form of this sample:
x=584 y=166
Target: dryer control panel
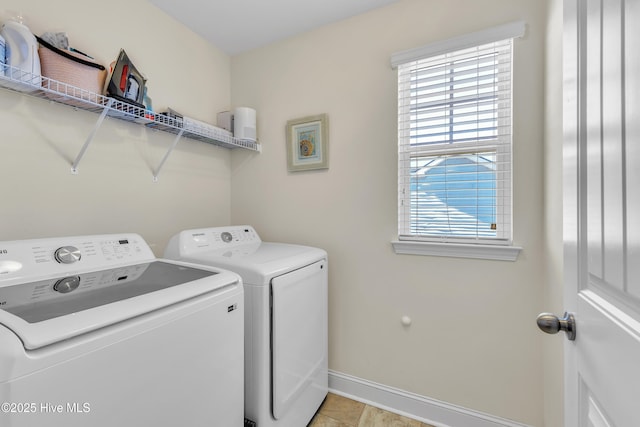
x=22 y=260
x=200 y=240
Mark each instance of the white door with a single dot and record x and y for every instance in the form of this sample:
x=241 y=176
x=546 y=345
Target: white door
x=602 y=211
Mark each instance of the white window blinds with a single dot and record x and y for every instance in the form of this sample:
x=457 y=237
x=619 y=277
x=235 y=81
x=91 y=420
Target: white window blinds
x=454 y=143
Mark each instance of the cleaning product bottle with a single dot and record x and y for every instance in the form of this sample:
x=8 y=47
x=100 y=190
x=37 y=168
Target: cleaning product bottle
x=3 y=57
x=21 y=52
x=148 y=105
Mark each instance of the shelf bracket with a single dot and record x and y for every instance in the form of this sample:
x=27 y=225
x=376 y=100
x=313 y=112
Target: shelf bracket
x=167 y=154
x=76 y=162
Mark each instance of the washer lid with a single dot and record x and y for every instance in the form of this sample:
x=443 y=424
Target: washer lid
x=51 y=310
x=257 y=263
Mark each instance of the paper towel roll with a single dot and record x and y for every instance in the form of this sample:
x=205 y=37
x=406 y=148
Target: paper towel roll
x=244 y=123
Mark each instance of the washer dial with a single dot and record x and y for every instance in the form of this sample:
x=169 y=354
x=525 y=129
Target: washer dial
x=226 y=237
x=67 y=254
x=67 y=284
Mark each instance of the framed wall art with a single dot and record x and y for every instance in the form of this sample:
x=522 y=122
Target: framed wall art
x=308 y=143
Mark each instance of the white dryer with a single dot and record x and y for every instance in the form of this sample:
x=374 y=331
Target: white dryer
x=95 y=331
x=286 y=372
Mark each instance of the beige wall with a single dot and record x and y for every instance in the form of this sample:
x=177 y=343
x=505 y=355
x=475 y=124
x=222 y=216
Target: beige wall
x=114 y=191
x=553 y=351
x=473 y=341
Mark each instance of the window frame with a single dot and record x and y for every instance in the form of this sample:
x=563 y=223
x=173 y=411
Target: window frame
x=499 y=248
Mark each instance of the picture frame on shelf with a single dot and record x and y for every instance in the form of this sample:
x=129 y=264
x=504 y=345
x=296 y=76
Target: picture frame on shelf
x=308 y=143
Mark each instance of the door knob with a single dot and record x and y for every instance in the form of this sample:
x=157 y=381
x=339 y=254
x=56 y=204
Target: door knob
x=550 y=324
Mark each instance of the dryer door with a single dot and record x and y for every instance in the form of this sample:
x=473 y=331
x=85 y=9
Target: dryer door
x=299 y=336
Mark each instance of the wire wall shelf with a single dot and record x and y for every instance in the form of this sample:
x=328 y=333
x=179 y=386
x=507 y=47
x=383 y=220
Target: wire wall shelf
x=45 y=88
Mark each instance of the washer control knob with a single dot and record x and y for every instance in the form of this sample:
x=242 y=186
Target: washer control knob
x=67 y=284
x=226 y=237
x=67 y=254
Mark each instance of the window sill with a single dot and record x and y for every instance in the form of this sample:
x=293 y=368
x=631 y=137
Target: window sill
x=457 y=250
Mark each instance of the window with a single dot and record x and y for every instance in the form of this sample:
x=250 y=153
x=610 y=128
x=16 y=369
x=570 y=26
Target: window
x=454 y=140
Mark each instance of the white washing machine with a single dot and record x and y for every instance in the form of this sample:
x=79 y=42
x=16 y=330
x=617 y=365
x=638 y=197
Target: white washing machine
x=95 y=331
x=286 y=372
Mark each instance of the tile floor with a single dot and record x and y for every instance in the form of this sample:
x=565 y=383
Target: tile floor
x=338 y=411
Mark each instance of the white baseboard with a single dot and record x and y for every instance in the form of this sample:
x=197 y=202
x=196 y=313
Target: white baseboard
x=430 y=411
